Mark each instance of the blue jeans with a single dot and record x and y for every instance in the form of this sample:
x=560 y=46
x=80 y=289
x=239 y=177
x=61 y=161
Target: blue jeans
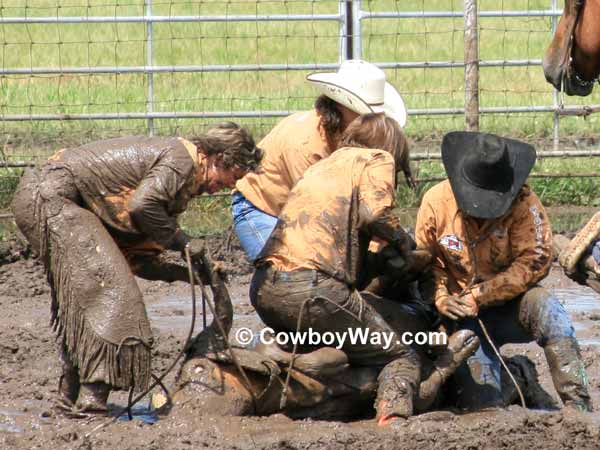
x=252 y=226
x=596 y=251
x=536 y=315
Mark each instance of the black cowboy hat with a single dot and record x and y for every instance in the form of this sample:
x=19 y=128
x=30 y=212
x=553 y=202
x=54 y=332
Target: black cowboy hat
x=486 y=171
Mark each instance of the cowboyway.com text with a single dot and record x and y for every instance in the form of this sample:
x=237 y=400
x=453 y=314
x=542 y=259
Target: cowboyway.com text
x=340 y=339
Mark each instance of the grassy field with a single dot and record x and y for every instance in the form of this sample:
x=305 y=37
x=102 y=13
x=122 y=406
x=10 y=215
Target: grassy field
x=384 y=40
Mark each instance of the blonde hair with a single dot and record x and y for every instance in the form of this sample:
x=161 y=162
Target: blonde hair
x=233 y=142
x=376 y=130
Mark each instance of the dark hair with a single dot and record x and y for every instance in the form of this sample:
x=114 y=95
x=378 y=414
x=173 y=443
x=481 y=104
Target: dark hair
x=233 y=142
x=331 y=120
x=376 y=130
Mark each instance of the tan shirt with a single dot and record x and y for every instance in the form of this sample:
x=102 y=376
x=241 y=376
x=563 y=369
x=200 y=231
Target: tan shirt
x=510 y=254
x=295 y=144
x=325 y=223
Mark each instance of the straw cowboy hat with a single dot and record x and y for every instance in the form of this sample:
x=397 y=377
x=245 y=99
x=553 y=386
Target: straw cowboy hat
x=361 y=87
x=486 y=171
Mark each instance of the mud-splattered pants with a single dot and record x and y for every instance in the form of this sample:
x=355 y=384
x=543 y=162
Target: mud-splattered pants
x=536 y=316
x=331 y=305
x=97 y=306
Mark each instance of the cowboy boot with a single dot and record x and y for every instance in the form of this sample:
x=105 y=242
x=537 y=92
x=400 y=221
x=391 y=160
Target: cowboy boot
x=398 y=381
x=461 y=345
x=93 y=398
x=393 y=402
x=568 y=373
x=68 y=383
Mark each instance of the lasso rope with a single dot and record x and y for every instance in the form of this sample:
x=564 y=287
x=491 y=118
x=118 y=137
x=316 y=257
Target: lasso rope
x=158 y=380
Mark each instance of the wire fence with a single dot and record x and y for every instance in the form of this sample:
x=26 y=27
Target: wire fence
x=72 y=71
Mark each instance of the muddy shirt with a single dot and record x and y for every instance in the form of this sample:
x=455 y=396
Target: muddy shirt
x=136 y=185
x=510 y=254
x=295 y=144
x=325 y=222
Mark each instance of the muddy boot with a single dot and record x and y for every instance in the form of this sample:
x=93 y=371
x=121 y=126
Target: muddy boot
x=398 y=382
x=92 y=398
x=394 y=403
x=568 y=373
x=68 y=384
x=461 y=345
x=323 y=362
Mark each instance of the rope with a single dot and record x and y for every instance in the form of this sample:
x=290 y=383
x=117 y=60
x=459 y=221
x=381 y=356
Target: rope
x=157 y=380
x=234 y=359
x=471 y=245
x=489 y=339
x=283 y=400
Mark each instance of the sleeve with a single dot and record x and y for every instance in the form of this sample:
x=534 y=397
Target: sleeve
x=149 y=205
x=434 y=287
x=531 y=244
x=376 y=202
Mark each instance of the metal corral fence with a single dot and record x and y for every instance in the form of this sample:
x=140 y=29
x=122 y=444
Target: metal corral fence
x=76 y=70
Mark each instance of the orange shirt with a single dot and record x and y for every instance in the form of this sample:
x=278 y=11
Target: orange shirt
x=507 y=255
x=325 y=223
x=295 y=144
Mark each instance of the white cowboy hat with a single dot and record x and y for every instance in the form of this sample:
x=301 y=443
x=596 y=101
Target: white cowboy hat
x=361 y=87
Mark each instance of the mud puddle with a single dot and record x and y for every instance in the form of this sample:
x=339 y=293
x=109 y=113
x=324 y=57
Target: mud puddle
x=8 y=421
x=579 y=299
x=173 y=313
x=143 y=412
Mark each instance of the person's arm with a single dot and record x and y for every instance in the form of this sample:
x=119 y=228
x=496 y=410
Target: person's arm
x=148 y=206
x=531 y=241
x=376 y=202
x=434 y=286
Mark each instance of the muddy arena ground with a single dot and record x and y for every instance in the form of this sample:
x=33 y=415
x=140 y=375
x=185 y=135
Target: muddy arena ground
x=29 y=372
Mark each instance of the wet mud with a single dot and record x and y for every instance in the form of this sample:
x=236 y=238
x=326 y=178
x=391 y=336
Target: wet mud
x=29 y=372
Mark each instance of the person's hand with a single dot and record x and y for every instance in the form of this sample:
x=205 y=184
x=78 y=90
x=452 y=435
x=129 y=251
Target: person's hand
x=196 y=248
x=406 y=268
x=473 y=307
x=455 y=307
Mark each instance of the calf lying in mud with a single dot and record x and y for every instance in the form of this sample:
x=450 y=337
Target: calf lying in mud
x=321 y=385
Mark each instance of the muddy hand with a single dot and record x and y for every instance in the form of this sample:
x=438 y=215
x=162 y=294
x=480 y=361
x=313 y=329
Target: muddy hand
x=470 y=304
x=197 y=249
x=404 y=268
x=454 y=307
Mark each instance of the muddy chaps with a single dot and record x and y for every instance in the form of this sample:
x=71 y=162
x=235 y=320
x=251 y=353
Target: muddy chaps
x=97 y=307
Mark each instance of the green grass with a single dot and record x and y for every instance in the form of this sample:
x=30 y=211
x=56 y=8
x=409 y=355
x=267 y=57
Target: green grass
x=92 y=45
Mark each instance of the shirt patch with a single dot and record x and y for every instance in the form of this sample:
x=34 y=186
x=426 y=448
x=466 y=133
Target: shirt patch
x=451 y=242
